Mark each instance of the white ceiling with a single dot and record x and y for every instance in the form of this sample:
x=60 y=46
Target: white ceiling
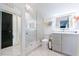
x=49 y=9
x=20 y=6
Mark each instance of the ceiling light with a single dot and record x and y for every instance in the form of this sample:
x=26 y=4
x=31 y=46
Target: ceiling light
x=28 y=7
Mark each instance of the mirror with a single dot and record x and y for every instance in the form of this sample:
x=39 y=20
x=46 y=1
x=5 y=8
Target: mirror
x=62 y=22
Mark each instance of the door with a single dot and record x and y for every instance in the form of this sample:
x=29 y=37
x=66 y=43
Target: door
x=6 y=30
x=69 y=44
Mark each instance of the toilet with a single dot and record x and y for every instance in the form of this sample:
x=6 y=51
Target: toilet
x=45 y=43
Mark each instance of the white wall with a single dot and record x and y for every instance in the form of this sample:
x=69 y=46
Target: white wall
x=40 y=27
x=60 y=9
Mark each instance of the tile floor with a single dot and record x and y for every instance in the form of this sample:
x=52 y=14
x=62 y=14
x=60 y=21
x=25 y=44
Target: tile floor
x=16 y=51
x=11 y=51
x=44 y=52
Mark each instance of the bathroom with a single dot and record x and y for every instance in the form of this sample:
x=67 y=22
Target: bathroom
x=49 y=28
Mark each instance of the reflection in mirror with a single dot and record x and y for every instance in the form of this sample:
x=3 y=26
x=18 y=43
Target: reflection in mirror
x=64 y=22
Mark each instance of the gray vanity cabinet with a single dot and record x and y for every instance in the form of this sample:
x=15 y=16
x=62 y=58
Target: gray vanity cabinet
x=65 y=43
x=69 y=44
x=56 y=42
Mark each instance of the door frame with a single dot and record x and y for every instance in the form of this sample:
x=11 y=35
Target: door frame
x=15 y=29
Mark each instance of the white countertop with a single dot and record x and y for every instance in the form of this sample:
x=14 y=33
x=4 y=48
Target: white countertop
x=65 y=32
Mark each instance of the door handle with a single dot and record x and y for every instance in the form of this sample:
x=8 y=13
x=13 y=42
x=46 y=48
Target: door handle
x=9 y=31
x=12 y=36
